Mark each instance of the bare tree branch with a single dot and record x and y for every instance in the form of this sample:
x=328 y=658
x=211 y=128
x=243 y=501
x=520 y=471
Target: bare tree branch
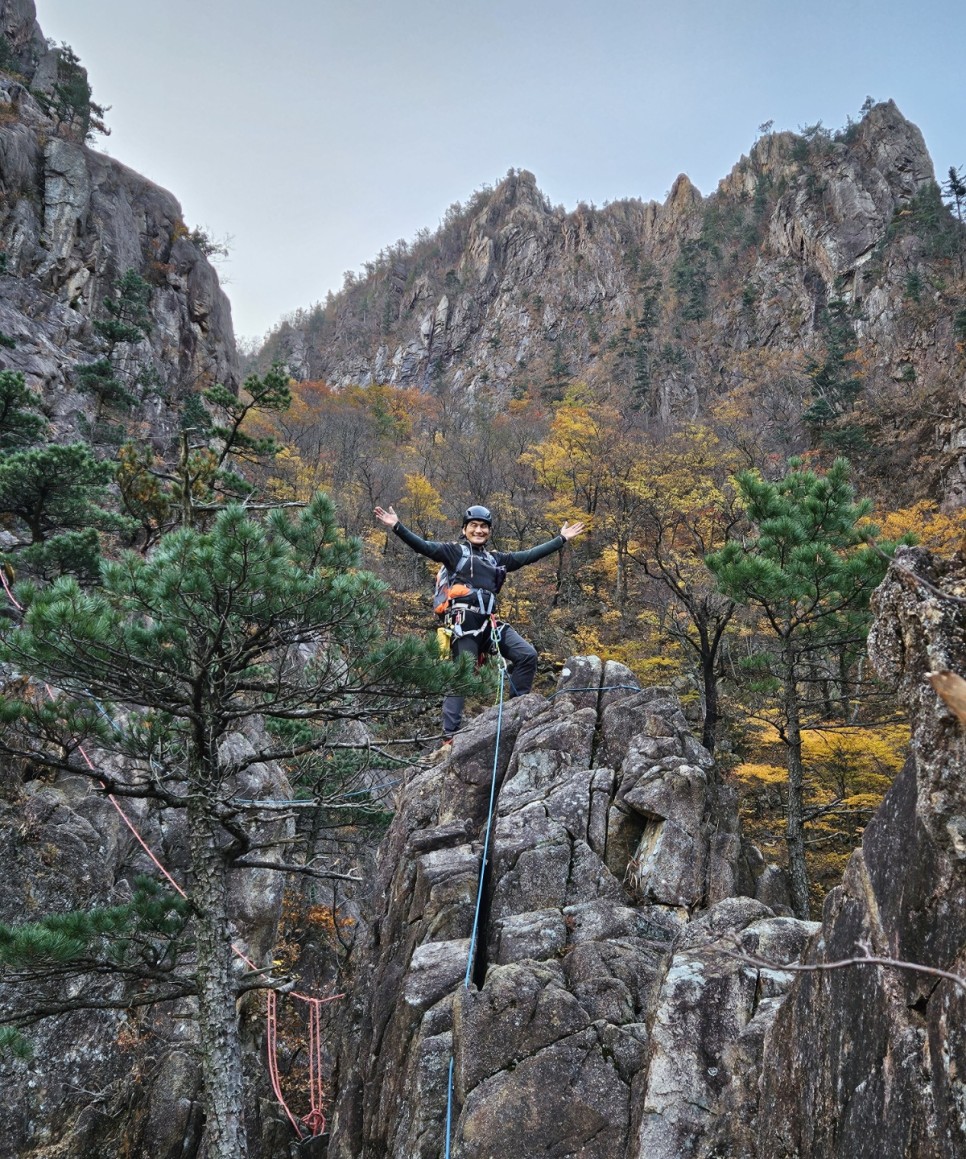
x=862 y=959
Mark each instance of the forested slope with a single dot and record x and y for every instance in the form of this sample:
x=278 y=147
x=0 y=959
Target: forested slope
x=817 y=294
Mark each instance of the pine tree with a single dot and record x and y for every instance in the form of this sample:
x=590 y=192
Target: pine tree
x=51 y=496
x=807 y=566
x=215 y=448
x=647 y=321
x=127 y=321
x=690 y=279
x=71 y=99
x=139 y=938
x=559 y=375
x=954 y=191
x=233 y=443
x=835 y=384
x=53 y=500
x=181 y=649
x=21 y=424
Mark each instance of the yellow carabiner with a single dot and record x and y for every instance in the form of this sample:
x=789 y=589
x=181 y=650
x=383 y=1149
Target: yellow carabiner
x=443 y=638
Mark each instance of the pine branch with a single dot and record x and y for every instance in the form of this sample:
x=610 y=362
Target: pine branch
x=54 y=1007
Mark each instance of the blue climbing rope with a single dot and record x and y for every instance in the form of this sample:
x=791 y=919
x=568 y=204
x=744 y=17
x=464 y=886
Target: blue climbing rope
x=474 y=931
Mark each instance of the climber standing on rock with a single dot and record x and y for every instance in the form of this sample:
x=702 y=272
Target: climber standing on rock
x=467 y=586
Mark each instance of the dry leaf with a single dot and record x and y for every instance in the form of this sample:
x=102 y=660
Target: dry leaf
x=951 y=689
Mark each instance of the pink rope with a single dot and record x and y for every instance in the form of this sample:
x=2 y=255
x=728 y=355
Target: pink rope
x=126 y=819
x=271 y=1038
x=315 y=1119
x=6 y=588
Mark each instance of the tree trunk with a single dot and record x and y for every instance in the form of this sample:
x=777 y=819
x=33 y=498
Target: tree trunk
x=710 y=682
x=221 y=1064
x=620 y=582
x=711 y=709
x=845 y=687
x=710 y=634
x=795 y=824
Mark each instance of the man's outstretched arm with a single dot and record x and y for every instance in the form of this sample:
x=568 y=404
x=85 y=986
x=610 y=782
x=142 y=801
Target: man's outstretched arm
x=518 y=559
x=448 y=553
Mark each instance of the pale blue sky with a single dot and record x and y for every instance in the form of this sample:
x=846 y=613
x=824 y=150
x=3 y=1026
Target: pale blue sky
x=315 y=133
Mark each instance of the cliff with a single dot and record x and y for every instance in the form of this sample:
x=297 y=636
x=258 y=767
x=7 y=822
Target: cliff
x=868 y=1061
x=597 y=1017
x=627 y=995
x=72 y=223
x=819 y=252
x=634 y=988
x=620 y=976
x=106 y=1075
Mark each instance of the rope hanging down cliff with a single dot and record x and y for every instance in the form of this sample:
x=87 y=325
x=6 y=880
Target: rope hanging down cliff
x=484 y=861
x=484 y=864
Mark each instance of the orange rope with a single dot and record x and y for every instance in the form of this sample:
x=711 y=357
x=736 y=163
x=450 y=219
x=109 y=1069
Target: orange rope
x=271 y=1038
x=315 y=1119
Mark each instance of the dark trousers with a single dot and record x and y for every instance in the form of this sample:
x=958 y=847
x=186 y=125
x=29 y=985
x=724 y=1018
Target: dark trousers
x=518 y=653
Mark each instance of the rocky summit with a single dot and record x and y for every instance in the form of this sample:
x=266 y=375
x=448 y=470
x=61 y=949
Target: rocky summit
x=636 y=985
x=602 y=1009
x=819 y=249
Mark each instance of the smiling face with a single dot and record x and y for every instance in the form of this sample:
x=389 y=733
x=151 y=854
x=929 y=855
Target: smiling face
x=476 y=531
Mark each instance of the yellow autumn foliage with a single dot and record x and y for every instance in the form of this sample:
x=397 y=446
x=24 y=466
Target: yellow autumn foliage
x=421 y=502
x=848 y=770
x=941 y=532
x=656 y=506
x=751 y=771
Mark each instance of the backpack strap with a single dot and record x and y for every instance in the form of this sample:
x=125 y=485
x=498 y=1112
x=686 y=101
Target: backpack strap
x=458 y=591
x=447 y=581
x=466 y=554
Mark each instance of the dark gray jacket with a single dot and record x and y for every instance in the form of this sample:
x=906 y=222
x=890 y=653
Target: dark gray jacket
x=482 y=572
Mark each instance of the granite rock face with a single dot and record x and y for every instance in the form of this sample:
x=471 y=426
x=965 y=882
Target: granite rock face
x=870 y=1061
x=596 y=1008
x=108 y=1077
x=26 y=42
x=629 y=995
x=681 y=301
x=72 y=222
